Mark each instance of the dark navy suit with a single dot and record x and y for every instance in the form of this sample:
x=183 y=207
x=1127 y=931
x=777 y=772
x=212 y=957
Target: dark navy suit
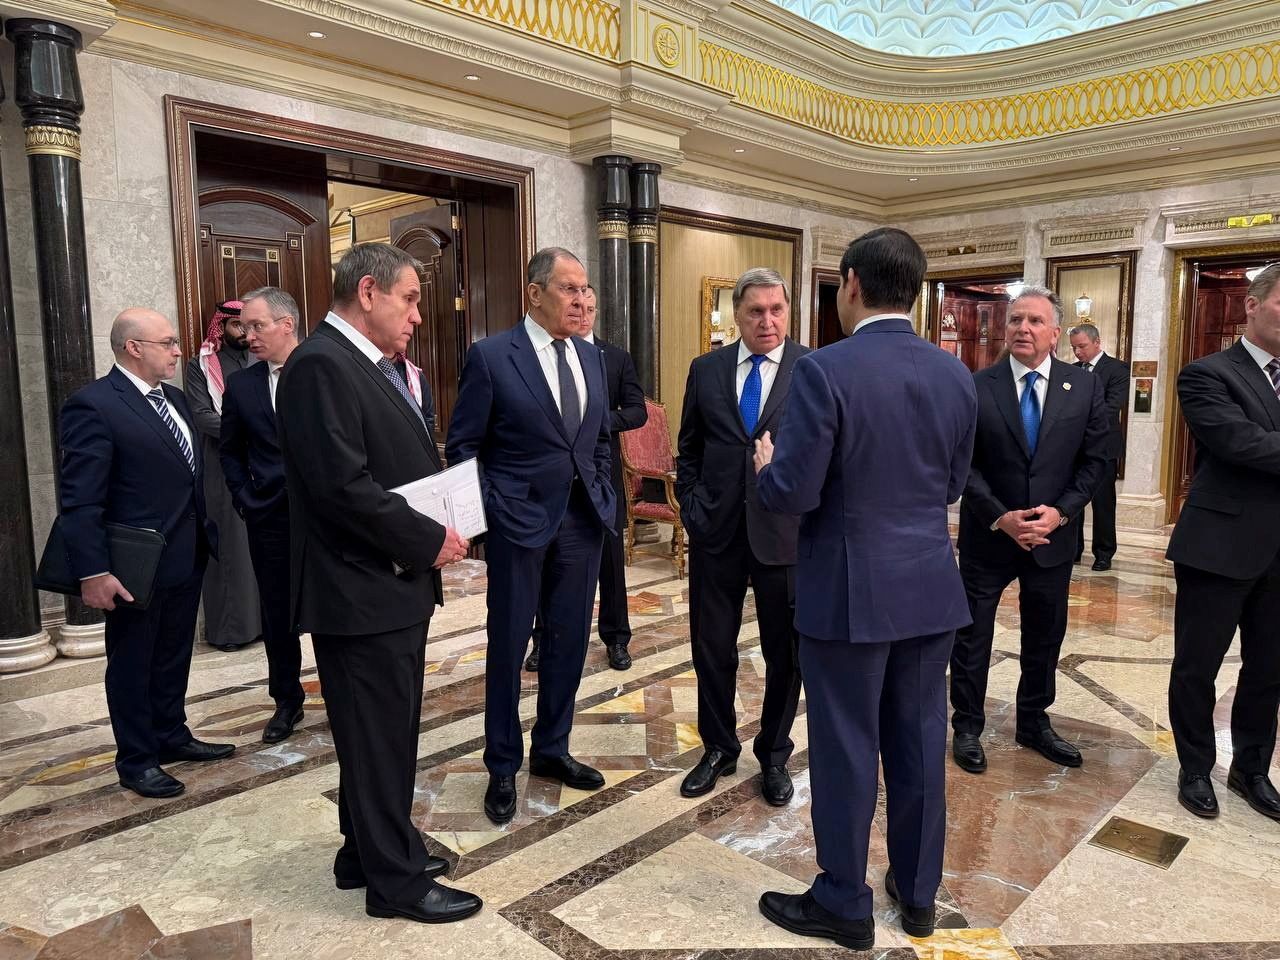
x=249 y=449
x=549 y=500
x=874 y=444
x=121 y=464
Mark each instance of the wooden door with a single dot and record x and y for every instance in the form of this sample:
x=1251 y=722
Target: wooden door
x=263 y=221
x=824 y=322
x=439 y=345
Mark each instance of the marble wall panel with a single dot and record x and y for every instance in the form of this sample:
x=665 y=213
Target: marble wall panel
x=137 y=106
x=98 y=142
x=130 y=264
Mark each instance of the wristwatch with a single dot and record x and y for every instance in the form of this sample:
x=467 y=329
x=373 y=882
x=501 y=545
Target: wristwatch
x=1063 y=519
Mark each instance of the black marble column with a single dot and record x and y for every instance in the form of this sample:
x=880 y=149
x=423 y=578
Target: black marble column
x=644 y=271
x=23 y=643
x=49 y=96
x=613 y=289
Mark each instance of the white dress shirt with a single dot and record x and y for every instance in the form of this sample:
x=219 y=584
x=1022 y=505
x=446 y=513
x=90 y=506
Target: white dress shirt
x=362 y=343
x=768 y=371
x=1042 y=383
x=1260 y=356
x=145 y=388
x=866 y=321
x=1090 y=364
x=273 y=379
x=546 y=354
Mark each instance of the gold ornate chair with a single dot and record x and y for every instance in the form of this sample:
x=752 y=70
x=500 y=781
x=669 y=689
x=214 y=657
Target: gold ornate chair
x=646 y=453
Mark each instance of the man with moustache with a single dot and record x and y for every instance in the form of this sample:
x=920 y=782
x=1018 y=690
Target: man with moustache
x=231 y=607
x=626 y=412
x=365 y=570
x=533 y=409
x=130 y=456
x=1039 y=453
x=251 y=460
x=732 y=397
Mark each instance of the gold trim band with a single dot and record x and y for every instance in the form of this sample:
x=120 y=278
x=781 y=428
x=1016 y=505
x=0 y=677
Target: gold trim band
x=612 y=229
x=55 y=141
x=644 y=233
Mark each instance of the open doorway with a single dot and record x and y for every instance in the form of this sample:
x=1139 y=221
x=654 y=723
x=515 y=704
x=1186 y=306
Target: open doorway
x=965 y=314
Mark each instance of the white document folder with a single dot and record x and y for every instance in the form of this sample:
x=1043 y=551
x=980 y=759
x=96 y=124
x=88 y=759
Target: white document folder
x=452 y=498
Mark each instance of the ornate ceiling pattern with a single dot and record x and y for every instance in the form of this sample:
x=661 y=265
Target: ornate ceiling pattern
x=948 y=28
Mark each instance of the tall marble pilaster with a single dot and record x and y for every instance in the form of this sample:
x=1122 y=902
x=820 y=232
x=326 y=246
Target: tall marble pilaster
x=49 y=96
x=612 y=211
x=644 y=271
x=24 y=644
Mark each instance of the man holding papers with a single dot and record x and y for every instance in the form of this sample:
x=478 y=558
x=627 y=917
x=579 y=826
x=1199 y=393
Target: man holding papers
x=365 y=570
x=532 y=408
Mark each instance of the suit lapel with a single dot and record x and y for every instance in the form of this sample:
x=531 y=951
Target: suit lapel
x=1258 y=381
x=135 y=401
x=728 y=377
x=591 y=359
x=1006 y=393
x=781 y=381
x=262 y=389
x=1057 y=396
x=527 y=365
x=178 y=403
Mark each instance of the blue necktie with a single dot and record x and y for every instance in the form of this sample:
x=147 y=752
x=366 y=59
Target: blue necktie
x=749 y=405
x=1031 y=411
x=157 y=399
x=391 y=373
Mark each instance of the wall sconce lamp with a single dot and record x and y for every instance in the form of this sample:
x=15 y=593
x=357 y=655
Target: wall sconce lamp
x=1083 y=305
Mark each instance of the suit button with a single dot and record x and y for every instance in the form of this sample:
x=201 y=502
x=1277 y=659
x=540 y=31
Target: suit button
x=191 y=516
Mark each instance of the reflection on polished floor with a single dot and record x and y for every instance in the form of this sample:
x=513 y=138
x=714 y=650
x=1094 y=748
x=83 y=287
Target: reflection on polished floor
x=632 y=871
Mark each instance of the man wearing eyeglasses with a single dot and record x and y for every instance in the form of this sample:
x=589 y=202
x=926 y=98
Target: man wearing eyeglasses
x=533 y=408
x=129 y=456
x=254 y=468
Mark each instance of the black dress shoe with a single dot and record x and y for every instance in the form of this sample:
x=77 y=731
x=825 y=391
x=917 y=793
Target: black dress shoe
x=619 y=658
x=1101 y=564
x=281 y=724
x=800 y=913
x=1047 y=743
x=702 y=778
x=1256 y=790
x=436 y=867
x=531 y=661
x=1195 y=792
x=776 y=786
x=567 y=770
x=966 y=750
x=916 y=921
x=440 y=904
x=500 y=799
x=198 y=750
x=154 y=783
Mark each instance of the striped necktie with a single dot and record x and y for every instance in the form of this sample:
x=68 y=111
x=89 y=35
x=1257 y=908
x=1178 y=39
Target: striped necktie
x=158 y=401
x=1273 y=368
x=391 y=373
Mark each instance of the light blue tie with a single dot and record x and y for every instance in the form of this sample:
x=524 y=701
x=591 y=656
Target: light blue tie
x=1031 y=411
x=749 y=405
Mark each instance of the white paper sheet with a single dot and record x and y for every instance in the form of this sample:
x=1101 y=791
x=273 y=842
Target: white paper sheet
x=452 y=497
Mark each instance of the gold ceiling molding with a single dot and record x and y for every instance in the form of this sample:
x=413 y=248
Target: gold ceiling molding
x=1225 y=77
x=593 y=26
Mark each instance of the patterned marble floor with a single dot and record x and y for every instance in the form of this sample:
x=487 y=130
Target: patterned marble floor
x=633 y=871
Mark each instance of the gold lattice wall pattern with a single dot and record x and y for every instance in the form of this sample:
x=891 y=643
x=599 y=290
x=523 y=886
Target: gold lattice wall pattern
x=588 y=25
x=1233 y=75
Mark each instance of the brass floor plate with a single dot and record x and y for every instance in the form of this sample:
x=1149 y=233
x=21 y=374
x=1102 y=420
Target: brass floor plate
x=1139 y=841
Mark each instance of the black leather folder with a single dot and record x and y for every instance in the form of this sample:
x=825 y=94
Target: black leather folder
x=135 y=559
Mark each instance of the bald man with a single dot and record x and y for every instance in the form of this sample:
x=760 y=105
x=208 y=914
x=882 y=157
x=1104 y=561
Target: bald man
x=129 y=457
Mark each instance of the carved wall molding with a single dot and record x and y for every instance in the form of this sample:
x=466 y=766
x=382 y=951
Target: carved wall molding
x=1233 y=220
x=981 y=245
x=1094 y=233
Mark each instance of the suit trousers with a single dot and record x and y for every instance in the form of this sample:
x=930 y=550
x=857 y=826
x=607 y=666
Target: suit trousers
x=1042 y=605
x=614 y=623
x=269 y=550
x=1207 y=611
x=717 y=589
x=1104 y=516
x=560 y=580
x=872 y=704
x=148 y=664
x=373 y=694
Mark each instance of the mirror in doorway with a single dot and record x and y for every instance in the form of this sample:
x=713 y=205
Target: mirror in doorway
x=718 y=328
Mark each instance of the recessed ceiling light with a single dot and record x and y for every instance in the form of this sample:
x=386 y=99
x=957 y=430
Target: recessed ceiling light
x=739 y=149
x=1174 y=149
x=316 y=35
x=471 y=76
x=913 y=179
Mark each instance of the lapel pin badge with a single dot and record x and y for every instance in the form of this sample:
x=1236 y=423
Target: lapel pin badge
x=1066 y=386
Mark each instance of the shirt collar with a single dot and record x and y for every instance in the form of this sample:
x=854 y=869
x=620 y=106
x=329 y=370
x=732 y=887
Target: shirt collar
x=1260 y=356
x=867 y=321
x=1020 y=370
x=589 y=337
x=273 y=367
x=775 y=354
x=136 y=380
x=537 y=334
x=362 y=343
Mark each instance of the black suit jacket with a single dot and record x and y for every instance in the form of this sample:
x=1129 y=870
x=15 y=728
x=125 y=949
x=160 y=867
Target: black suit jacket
x=249 y=446
x=360 y=558
x=1065 y=471
x=121 y=464
x=1230 y=524
x=626 y=402
x=1114 y=375
x=715 y=475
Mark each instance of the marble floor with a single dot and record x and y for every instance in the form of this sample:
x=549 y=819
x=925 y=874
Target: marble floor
x=239 y=866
